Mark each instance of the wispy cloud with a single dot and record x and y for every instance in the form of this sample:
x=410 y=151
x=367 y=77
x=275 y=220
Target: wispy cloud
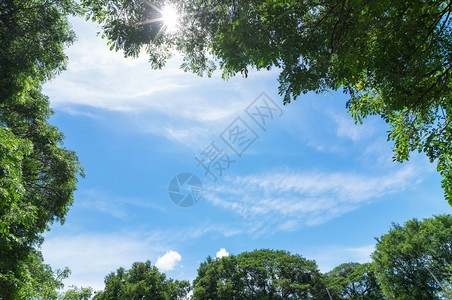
x=346 y=128
x=117 y=207
x=285 y=200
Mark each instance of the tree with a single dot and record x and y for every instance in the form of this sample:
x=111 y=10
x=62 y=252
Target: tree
x=261 y=274
x=354 y=281
x=42 y=282
x=392 y=57
x=33 y=34
x=76 y=293
x=142 y=281
x=37 y=280
x=446 y=293
x=407 y=257
x=37 y=174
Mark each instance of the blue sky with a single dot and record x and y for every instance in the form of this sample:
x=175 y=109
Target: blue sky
x=312 y=182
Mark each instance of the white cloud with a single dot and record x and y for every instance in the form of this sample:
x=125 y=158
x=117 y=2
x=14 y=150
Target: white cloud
x=222 y=253
x=283 y=201
x=168 y=261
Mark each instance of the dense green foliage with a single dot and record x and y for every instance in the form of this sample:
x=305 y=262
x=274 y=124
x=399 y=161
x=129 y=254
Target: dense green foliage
x=142 y=281
x=354 y=281
x=35 y=281
x=407 y=256
x=33 y=35
x=37 y=175
x=261 y=274
x=392 y=57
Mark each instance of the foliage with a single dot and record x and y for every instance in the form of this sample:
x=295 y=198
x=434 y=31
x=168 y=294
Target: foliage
x=354 y=281
x=407 y=256
x=142 y=281
x=261 y=274
x=446 y=293
x=36 y=281
x=392 y=57
x=37 y=175
x=33 y=34
x=76 y=293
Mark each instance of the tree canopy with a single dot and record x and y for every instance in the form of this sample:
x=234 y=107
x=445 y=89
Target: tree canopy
x=409 y=257
x=354 y=281
x=76 y=293
x=142 y=281
x=37 y=174
x=30 y=278
x=260 y=274
x=393 y=58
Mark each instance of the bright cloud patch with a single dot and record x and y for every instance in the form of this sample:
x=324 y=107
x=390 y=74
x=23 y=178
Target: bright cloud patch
x=168 y=261
x=222 y=253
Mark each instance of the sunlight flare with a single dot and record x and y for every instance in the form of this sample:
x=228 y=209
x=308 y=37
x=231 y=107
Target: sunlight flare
x=170 y=18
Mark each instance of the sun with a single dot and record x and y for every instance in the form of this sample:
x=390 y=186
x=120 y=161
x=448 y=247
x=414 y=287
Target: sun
x=170 y=18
